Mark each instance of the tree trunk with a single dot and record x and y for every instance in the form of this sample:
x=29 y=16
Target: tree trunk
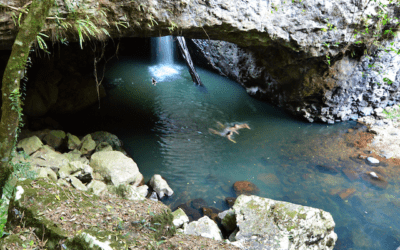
x=15 y=69
x=185 y=53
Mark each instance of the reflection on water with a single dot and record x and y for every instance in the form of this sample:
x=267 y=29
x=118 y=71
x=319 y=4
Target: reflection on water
x=165 y=129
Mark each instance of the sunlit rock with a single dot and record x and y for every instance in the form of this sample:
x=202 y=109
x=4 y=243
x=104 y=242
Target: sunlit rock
x=281 y=225
x=180 y=217
x=372 y=160
x=76 y=183
x=55 y=138
x=46 y=173
x=30 y=145
x=204 y=227
x=115 y=167
x=97 y=187
x=160 y=186
x=88 y=145
x=47 y=157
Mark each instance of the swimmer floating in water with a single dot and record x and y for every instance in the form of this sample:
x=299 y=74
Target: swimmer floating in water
x=228 y=131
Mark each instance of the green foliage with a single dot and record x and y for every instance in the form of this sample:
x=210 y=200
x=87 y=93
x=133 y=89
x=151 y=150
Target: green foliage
x=393 y=114
x=163 y=225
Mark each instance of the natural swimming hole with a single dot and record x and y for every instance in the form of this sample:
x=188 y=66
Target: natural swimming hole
x=165 y=129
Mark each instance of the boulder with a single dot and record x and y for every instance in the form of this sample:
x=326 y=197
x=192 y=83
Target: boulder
x=160 y=186
x=97 y=187
x=245 y=187
x=47 y=157
x=204 y=227
x=88 y=145
x=375 y=179
x=73 y=142
x=115 y=167
x=110 y=139
x=228 y=220
x=264 y=222
x=103 y=146
x=76 y=183
x=76 y=155
x=180 y=218
x=46 y=173
x=55 y=138
x=30 y=145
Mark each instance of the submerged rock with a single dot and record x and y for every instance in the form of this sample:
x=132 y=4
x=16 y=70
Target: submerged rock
x=375 y=179
x=245 y=187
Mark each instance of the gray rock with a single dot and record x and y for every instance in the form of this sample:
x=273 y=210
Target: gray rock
x=110 y=139
x=47 y=157
x=103 y=146
x=46 y=173
x=55 y=138
x=228 y=220
x=387 y=155
x=73 y=142
x=204 y=227
x=76 y=183
x=115 y=167
x=372 y=160
x=97 y=187
x=180 y=218
x=268 y=224
x=153 y=196
x=143 y=190
x=160 y=186
x=30 y=145
x=88 y=145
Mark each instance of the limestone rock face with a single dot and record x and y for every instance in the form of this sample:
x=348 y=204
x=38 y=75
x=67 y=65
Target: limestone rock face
x=114 y=166
x=204 y=227
x=268 y=224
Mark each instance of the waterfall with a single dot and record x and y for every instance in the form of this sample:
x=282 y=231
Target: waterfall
x=163 y=49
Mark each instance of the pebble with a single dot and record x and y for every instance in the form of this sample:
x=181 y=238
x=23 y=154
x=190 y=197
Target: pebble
x=387 y=155
x=372 y=160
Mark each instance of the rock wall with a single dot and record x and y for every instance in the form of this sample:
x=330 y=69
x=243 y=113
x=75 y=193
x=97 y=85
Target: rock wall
x=281 y=46
x=351 y=87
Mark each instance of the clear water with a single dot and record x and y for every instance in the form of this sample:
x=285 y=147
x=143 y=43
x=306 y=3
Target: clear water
x=165 y=130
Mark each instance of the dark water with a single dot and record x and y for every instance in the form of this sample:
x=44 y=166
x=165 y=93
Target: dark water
x=165 y=129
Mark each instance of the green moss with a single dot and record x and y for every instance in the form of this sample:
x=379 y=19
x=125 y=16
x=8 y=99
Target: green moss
x=163 y=225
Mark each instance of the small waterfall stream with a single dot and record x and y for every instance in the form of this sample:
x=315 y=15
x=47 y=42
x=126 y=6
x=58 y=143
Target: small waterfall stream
x=162 y=49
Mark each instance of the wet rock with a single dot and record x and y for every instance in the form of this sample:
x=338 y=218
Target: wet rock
x=375 y=179
x=327 y=169
x=230 y=201
x=245 y=187
x=199 y=203
x=192 y=213
x=211 y=212
x=73 y=142
x=180 y=218
x=372 y=161
x=351 y=174
x=30 y=145
x=160 y=186
x=268 y=179
x=347 y=193
x=204 y=227
x=115 y=167
x=228 y=220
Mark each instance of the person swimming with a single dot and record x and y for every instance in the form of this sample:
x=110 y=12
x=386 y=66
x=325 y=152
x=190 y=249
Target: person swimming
x=228 y=131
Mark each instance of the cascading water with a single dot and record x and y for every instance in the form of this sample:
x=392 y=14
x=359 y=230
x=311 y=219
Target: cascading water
x=163 y=56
